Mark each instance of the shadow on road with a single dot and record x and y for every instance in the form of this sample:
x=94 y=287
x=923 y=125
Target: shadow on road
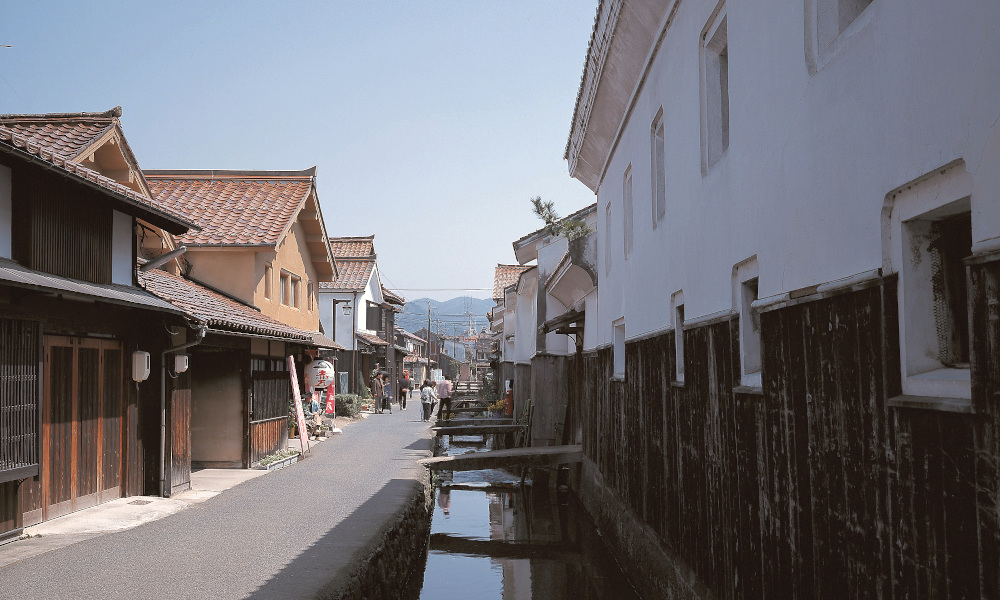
x=325 y=567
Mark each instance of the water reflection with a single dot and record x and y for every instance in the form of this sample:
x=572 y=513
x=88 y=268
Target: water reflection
x=491 y=538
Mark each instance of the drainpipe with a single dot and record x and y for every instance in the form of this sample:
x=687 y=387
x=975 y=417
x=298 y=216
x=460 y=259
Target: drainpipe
x=198 y=337
x=354 y=344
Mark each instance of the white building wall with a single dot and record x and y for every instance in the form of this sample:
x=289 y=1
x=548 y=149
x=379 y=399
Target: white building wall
x=526 y=322
x=811 y=157
x=122 y=248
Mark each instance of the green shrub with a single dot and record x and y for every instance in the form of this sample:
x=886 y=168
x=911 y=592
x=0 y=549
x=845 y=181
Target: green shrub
x=348 y=405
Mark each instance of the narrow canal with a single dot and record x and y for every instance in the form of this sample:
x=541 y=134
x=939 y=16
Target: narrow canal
x=492 y=538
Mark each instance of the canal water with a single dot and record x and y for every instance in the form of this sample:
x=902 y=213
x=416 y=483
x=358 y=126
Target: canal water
x=492 y=538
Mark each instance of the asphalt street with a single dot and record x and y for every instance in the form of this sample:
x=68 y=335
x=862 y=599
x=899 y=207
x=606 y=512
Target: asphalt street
x=283 y=535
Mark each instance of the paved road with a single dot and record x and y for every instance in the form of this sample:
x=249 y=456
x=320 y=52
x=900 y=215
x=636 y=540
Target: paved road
x=278 y=536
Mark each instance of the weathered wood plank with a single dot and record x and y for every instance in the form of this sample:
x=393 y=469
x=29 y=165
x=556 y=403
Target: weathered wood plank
x=477 y=429
x=468 y=422
x=545 y=456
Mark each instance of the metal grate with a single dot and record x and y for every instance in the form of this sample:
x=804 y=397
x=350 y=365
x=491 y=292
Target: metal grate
x=141 y=502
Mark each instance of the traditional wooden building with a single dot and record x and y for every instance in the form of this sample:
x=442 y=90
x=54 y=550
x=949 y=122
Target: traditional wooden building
x=359 y=312
x=252 y=275
x=83 y=344
x=789 y=380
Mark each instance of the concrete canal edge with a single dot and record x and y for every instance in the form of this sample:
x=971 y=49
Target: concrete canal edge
x=651 y=570
x=389 y=555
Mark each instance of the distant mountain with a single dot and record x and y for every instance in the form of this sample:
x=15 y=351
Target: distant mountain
x=451 y=316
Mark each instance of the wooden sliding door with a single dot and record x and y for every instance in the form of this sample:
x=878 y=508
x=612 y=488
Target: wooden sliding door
x=82 y=424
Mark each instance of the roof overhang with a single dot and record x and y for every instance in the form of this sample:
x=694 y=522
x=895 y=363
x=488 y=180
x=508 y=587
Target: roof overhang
x=570 y=282
x=626 y=39
x=323 y=342
x=12 y=273
x=568 y=323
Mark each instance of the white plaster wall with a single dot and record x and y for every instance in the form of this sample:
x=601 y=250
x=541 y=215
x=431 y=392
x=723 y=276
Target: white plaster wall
x=122 y=248
x=811 y=157
x=6 y=207
x=550 y=251
x=525 y=330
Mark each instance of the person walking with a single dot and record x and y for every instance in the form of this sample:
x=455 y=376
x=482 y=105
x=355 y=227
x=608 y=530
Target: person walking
x=386 y=393
x=427 y=397
x=404 y=390
x=444 y=394
x=377 y=391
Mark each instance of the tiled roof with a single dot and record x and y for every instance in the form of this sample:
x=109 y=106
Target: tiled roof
x=353 y=246
x=393 y=297
x=406 y=333
x=67 y=134
x=353 y=274
x=16 y=142
x=214 y=309
x=504 y=276
x=374 y=340
x=244 y=208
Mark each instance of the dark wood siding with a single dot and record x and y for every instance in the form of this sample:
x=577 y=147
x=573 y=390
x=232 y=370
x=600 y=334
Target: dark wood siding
x=180 y=439
x=270 y=393
x=60 y=228
x=812 y=487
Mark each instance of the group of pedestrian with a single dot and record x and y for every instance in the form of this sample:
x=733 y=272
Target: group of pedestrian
x=430 y=394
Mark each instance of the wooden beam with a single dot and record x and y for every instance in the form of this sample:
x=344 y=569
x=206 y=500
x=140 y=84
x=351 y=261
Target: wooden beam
x=469 y=422
x=543 y=456
x=502 y=548
x=477 y=429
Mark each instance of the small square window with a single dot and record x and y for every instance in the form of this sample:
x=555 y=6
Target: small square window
x=928 y=234
x=607 y=239
x=715 y=89
x=627 y=213
x=678 y=322
x=285 y=288
x=268 y=283
x=658 y=170
x=296 y=284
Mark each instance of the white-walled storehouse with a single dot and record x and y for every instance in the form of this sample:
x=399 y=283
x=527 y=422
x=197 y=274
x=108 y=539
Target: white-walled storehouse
x=366 y=328
x=798 y=256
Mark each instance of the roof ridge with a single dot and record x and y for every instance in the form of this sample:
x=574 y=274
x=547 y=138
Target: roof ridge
x=62 y=161
x=114 y=113
x=227 y=174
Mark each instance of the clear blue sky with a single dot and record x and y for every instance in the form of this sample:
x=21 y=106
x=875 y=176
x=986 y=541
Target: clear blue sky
x=432 y=123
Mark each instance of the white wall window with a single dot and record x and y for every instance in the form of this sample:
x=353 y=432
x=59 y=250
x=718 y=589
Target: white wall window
x=627 y=214
x=834 y=16
x=677 y=306
x=715 y=89
x=618 y=350
x=745 y=293
x=607 y=240
x=658 y=169
x=929 y=231
x=936 y=295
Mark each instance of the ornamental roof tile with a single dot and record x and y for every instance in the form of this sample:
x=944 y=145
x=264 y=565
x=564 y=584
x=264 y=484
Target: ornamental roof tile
x=241 y=208
x=65 y=134
x=36 y=147
x=357 y=246
x=354 y=274
x=216 y=310
x=374 y=340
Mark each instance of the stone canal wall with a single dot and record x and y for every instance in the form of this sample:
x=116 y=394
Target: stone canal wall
x=383 y=565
